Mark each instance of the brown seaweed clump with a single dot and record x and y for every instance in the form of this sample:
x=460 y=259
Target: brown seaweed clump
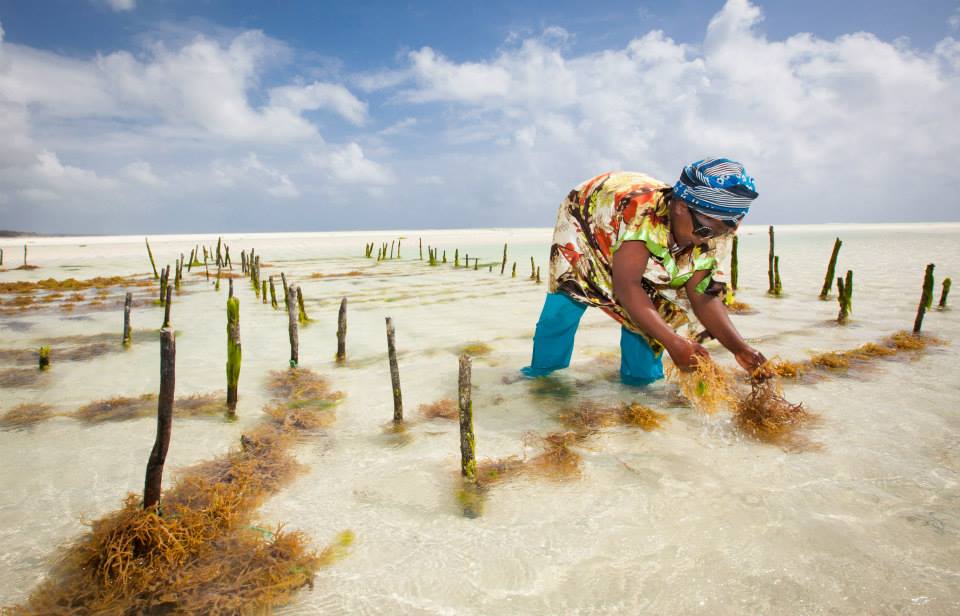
x=300 y=418
x=708 y=386
x=830 y=360
x=785 y=369
x=556 y=460
x=72 y=284
x=765 y=415
x=301 y=386
x=26 y=415
x=590 y=416
x=441 y=409
x=118 y=408
x=738 y=307
x=303 y=401
x=125 y=408
x=351 y=273
x=906 y=341
x=200 y=552
x=19 y=377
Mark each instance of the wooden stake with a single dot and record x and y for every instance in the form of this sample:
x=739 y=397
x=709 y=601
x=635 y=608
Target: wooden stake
x=538 y=274
x=734 y=264
x=44 y=357
x=154 y=475
x=831 y=268
x=394 y=373
x=152 y=263
x=193 y=255
x=164 y=282
x=291 y=295
x=226 y=255
x=230 y=292
x=234 y=351
x=924 y=298
x=848 y=292
x=533 y=270
x=944 y=292
x=273 y=294
x=286 y=301
x=391 y=248
x=398 y=247
x=421 y=249
x=503 y=264
x=456 y=258
x=513 y=274
x=777 y=287
x=24 y=255
x=127 y=305
x=771 y=287
x=166 y=308
x=468 y=443
x=841 y=299
x=263 y=293
x=206 y=268
x=342 y=331
x=303 y=312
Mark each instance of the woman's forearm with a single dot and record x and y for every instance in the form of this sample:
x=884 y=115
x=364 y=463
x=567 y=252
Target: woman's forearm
x=713 y=315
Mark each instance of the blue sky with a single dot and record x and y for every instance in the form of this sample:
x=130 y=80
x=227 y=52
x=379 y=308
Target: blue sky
x=133 y=116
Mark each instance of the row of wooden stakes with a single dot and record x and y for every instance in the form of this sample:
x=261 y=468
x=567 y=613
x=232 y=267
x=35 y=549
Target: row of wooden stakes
x=434 y=259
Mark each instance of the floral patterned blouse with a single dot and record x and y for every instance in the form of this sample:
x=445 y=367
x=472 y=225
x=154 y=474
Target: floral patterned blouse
x=594 y=221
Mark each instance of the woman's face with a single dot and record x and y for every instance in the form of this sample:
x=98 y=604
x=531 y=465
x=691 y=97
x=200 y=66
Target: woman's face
x=689 y=227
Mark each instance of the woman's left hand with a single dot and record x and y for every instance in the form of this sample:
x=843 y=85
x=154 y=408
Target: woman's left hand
x=750 y=359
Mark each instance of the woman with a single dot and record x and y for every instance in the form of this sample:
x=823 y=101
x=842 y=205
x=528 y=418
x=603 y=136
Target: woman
x=644 y=253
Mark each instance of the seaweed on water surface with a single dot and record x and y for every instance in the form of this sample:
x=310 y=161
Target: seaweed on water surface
x=26 y=415
x=551 y=387
x=765 y=415
x=556 y=460
x=590 y=416
x=118 y=408
x=475 y=349
x=300 y=385
x=125 y=408
x=72 y=284
x=441 y=409
x=830 y=361
x=19 y=377
x=201 y=551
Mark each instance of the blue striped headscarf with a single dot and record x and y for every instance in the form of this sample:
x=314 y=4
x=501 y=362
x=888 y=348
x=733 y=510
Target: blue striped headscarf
x=717 y=187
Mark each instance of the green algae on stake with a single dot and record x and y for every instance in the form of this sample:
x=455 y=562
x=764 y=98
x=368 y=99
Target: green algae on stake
x=831 y=269
x=234 y=351
x=926 y=298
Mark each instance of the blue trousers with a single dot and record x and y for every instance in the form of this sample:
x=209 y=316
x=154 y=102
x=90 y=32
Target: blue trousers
x=553 y=344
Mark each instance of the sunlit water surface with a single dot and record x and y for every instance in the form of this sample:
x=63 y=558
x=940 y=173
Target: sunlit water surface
x=692 y=518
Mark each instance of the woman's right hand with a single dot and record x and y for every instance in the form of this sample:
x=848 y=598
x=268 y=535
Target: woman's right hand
x=686 y=353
